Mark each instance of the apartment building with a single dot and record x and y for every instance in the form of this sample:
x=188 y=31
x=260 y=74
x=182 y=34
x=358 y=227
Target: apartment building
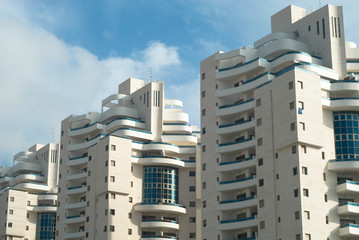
x=28 y=194
x=280 y=134
x=129 y=171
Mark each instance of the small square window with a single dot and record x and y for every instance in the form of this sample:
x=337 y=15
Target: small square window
x=259 y=121
x=203 y=76
x=204 y=130
x=305 y=192
x=192 y=188
x=203 y=94
x=262 y=225
x=9 y=224
x=203 y=166
x=300 y=84
x=11 y=211
x=192 y=173
x=304 y=148
x=261 y=203
x=307 y=215
x=192 y=204
x=112 y=178
x=203 y=112
x=204 y=223
x=113 y=195
x=12 y=199
x=291 y=85
x=258 y=102
x=302 y=125
x=261 y=182
x=192 y=219
x=305 y=170
x=130 y=199
x=295 y=193
x=294 y=149
x=260 y=141
x=204 y=204
x=112 y=211
x=291 y=105
x=301 y=105
x=307 y=236
x=292 y=126
x=113 y=147
x=113 y=163
x=130 y=215
x=106 y=148
x=204 y=185
x=129 y=231
x=295 y=171
x=192 y=235
x=112 y=228
x=203 y=148
x=260 y=161
x=296 y=215
x=297 y=237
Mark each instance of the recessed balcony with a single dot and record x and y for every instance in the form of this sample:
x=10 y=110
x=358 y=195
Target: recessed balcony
x=235 y=127
x=232 y=109
x=86 y=144
x=344 y=165
x=348 y=187
x=160 y=160
x=177 y=128
x=76 y=190
x=74 y=235
x=76 y=176
x=236 y=146
x=348 y=208
x=158 y=238
x=77 y=161
x=179 y=138
x=74 y=219
x=85 y=129
x=237 y=184
x=42 y=208
x=349 y=230
x=154 y=223
x=75 y=205
x=254 y=65
x=134 y=133
x=124 y=122
x=26 y=167
x=32 y=187
x=161 y=207
x=341 y=104
x=160 y=146
x=237 y=204
x=234 y=224
x=236 y=165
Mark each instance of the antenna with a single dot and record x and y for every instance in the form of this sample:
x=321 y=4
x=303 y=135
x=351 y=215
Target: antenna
x=150 y=74
x=320 y=3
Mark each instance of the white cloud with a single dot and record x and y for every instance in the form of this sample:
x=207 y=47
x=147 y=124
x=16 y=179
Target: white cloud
x=44 y=80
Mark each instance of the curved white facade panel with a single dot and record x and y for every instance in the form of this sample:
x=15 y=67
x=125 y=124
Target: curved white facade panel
x=86 y=129
x=160 y=147
x=235 y=127
x=340 y=85
x=49 y=196
x=236 y=184
x=75 y=219
x=343 y=165
x=236 y=146
x=76 y=190
x=349 y=208
x=157 y=238
x=169 y=117
x=41 y=208
x=162 y=161
x=177 y=128
x=32 y=187
x=87 y=144
x=237 y=204
x=29 y=177
x=350 y=104
x=160 y=208
x=26 y=167
x=187 y=150
x=353 y=66
x=76 y=176
x=256 y=65
x=280 y=45
x=125 y=123
x=120 y=111
x=236 y=165
x=350 y=230
x=235 y=108
x=173 y=138
x=271 y=38
x=127 y=132
x=74 y=235
x=160 y=224
x=75 y=205
x=77 y=161
x=349 y=187
x=237 y=224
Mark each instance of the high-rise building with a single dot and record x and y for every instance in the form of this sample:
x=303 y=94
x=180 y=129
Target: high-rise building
x=129 y=172
x=280 y=133
x=28 y=194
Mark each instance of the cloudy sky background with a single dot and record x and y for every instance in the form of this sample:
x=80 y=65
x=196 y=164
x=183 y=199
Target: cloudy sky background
x=59 y=58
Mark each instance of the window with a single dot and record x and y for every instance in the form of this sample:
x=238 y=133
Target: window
x=291 y=105
x=290 y=85
x=106 y=148
x=324 y=176
x=318 y=28
x=204 y=204
x=203 y=76
x=261 y=203
x=305 y=192
x=277 y=176
x=262 y=225
x=130 y=215
x=27 y=228
x=106 y=163
x=106 y=179
x=106 y=212
x=192 y=235
x=204 y=185
x=9 y=224
x=112 y=179
x=305 y=170
x=260 y=161
x=204 y=223
x=203 y=166
x=203 y=148
x=113 y=195
x=112 y=211
x=258 y=102
x=192 y=173
x=294 y=149
x=306 y=215
x=259 y=121
x=204 y=130
x=300 y=84
x=203 y=112
x=326 y=219
x=131 y=184
x=11 y=211
x=261 y=182
x=113 y=163
x=260 y=141
x=309 y=28
x=129 y=231
x=278 y=219
x=192 y=204
x=192 y=219
x=130 y=199
x=301 y=105
x=307 y=236
x=276 y=155
x=295 y=171
x=323 y=25
x=323 y=155
x=278 y=197
x=192 y=188
x=325 y=198
x=203 y=94
x=297 y=237
x=295 y=193
x=113 y=147
x=112 y=228
x=296 y=215
x=302 y=125
x=304 y=148
x=12 y=199
x=292 y=126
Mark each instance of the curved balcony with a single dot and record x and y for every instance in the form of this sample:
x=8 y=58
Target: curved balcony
x=344 y=165
x=161 y=160
x=47 y=197
x=158 y=238
x=160 y=146
x=160 y=207
x=85 y=129
x=76 y=176
x=176 y=128
x=77 y=161
x=42 y=208
x=74 y=235
x=236 y=165
x=170 y=116
x=117 y=111
x=288 y=58
x=348 y=208
x=269 y=46
x=236 y=146
x=177 y=138
x=29 y=177
x=26 y=167
x=87 y=144
x=237 y=223
x=348 y=187
x=349 y=230
x=160 y=224
x=236 y=108
x=32 y=187
x=237 y=184
x=124 y=122
x=341 y=104
x=340 y=85
x=76 y=190
x=75 y=205
x=134 y=133
x=74 y=219
x=245 y=86
x=237 y=204
x=352 y=65
x=235 y=127
x=187 y=150
x=7 y=179
x=255 y=65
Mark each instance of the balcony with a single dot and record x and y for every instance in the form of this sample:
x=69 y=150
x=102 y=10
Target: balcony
x=160 y=224
x=252 y=66
x=344 y=165
x=177 y=138
x=124 y=122
x=47 y=197
x=75 y=205
x=177 y=128
x=161 y=160
x=352 y=65
x=187 y=149
x=29 y=177
x=173 y=117
x=158 y=238
x=341 y=104
x=133 y=133
x=160 y=146
x=236 y=146
x=236 y=165
x=348 y=187
x=85 y=129
x=237 y=223
x=74 y=219
x=77 y=161
x=348 y=208
x=26 y=167
x=76 y=190
x=76 y=176
x=237 y=184
x=237 y=204
x=235 y=127
x=227 y=110
x=161 y=207
x=349 y=230
x=42 y=208
x=88 y=143
x=32 y=187
x=74 y=235
x=116 y=111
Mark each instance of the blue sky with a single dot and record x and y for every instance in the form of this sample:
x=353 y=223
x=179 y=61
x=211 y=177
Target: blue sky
x=63 y=57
